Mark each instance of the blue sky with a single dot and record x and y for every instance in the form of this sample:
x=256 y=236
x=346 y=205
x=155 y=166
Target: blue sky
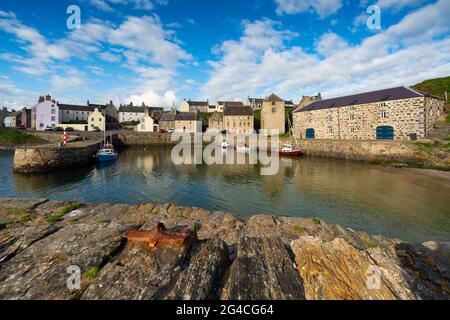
x=162 y=51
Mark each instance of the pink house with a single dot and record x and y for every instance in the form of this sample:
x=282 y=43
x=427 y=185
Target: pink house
x=45 y=114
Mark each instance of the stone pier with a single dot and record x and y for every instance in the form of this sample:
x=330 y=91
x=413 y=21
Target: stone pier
x=52 y=157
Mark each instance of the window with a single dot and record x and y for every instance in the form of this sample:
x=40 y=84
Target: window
x=274 y=110
x=352 y=117
x=383 y=104
x=53 y=118
x=77 y=112
x=100 y=119
x=67 y=112
x=92 y=119
x=383 y=115
x=53 y=111
x=41 y=125
x=273 y=103
x=330 y=130
x=352 y=130
x=330 y=118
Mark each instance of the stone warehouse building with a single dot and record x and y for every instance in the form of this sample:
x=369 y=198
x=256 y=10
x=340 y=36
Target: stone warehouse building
x=397 y=113
x=238 y=119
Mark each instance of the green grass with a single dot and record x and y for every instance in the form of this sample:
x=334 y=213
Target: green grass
x=104 y=221
x=436 y=86
x=11 y=137
x=298 y=229
x=447 y=118
x=370 y=245
x=18 y=211
x=25 y=219
x=71 y=206
x=91 y=273
x=316 y=221
x=426 y=147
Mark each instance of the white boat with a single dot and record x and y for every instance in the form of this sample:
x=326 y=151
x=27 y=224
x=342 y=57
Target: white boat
x=245 y=149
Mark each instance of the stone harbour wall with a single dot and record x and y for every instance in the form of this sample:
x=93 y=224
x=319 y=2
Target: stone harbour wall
x=51 y=157
x=265 y=257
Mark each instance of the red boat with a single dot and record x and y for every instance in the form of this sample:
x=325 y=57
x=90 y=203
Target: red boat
x=290 y=151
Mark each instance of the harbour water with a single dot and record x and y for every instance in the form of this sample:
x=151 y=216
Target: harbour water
x=409 y=204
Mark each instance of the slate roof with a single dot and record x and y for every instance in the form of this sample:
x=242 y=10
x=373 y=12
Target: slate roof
x=186 y=116
x=230 y=103
x=397 y=93
x=73 y=107
x=198 y=103
x=168 y=116
x=238 y=111
x=273 y=97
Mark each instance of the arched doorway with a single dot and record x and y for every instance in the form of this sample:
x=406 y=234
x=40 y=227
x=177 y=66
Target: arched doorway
x=385 y=133
x=310 y=133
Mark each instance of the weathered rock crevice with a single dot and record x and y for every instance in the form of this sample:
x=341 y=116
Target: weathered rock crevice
x=264 y=257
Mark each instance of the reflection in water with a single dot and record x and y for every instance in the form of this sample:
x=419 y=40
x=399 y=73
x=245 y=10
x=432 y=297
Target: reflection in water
x=400 y=203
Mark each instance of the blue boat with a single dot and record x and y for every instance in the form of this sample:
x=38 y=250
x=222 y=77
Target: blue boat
x=106 y=152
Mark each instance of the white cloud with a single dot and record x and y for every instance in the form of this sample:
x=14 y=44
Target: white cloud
x=323 y=8
x=107 y=5
x=261 y=62
x=141 y=44
x=397 y=5
x=330 y=43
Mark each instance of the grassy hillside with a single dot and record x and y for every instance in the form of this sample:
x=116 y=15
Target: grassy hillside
x=11 y=137
x=436 y=86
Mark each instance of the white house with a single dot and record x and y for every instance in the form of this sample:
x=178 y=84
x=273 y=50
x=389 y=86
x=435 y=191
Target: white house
x=146 y=125
x=45 y=114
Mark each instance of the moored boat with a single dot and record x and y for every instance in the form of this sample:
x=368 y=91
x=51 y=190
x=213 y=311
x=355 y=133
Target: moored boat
x=106 y=153
x=290 y=151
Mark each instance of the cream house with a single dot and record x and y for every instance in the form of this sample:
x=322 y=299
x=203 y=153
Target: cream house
x=95 y=122
x=273 y=114
x=147 y=125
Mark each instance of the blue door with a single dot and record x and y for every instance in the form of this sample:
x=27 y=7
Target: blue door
x=310 y=134
x=385 y=133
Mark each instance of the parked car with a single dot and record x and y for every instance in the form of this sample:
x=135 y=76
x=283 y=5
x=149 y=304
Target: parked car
x=50 y=129
x=59 y=129
x=69 y=129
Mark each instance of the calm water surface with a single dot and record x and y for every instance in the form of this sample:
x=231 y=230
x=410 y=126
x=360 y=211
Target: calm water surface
x=408 y=204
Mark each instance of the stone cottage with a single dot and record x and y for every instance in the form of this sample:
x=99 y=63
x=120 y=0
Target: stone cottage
x=398 y=113
x=194 y=106
x=215 y=123
x=273 y=114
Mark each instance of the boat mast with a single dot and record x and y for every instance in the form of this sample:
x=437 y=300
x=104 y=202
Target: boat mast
x=291 y=128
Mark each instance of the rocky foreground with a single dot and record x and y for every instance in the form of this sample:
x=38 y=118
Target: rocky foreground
x=263 y=258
